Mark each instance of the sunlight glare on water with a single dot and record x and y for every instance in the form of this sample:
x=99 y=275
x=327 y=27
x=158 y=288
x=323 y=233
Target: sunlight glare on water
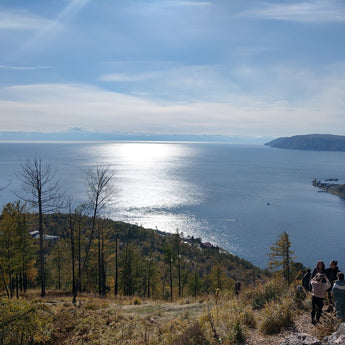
x=151 y=183
x=238 y=197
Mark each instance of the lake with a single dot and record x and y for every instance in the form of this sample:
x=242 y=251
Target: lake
x=236 y=196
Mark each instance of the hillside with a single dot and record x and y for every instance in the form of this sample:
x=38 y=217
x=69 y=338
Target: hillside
x=172 y=290
x=143 y=267
x=202 y=320
x=316 y=142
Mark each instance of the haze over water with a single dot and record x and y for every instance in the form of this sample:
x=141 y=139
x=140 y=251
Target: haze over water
x=238 y=197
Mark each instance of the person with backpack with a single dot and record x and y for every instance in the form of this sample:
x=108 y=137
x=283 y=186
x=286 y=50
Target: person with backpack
x=339 y=296
x=306 y=280
x=331 y=273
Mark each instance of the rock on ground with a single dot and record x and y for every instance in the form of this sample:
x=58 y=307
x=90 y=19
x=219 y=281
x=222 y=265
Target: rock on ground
x=301 y=339
x=337 y=338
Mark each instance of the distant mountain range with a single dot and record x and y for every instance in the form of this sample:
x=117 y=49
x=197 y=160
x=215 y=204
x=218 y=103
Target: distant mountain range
x=316 y=142
x=83 y=135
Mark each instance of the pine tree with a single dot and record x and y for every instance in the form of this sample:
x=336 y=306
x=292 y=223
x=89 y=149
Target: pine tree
x=281 y=257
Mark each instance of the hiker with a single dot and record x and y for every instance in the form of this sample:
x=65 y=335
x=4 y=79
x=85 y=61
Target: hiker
x=306 y=280
x=237 y=288
x=339 y=296
x=331 y=274
x=217 y=295
x=320 y=268
x=319 y=285
x=300 y=295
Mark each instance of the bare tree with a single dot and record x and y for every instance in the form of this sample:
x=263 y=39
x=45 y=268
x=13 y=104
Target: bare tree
x=100 y=190
x=40 y=189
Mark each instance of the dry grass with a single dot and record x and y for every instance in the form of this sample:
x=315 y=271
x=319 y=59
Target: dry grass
x=134 y=321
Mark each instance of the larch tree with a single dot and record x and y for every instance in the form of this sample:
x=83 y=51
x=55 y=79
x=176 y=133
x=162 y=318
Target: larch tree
x=73 y=253
x=79 y=223
x=177 y=249
x=15 y=248
x=169 y=258
x=40 y=189
x=281 y=257
x=100 y=191
x=9 y=245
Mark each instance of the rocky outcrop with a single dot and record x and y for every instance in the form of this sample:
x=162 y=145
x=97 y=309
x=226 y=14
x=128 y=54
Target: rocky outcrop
x=337 y=338
x=301 y=339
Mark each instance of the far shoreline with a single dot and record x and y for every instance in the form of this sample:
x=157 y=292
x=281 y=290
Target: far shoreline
x=331 y=188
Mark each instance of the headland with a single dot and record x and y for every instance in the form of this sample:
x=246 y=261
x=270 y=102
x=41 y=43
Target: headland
x=330 y=187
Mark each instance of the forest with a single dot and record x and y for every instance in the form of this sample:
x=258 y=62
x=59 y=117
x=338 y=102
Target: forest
x=123 y=259
x=82 y=251
x=69 y=274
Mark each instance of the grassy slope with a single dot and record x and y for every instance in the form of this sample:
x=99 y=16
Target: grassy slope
x=133 y=321
x=151 y=322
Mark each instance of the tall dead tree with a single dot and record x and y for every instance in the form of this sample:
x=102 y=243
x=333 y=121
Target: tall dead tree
x=40 y=190
x=100 y=190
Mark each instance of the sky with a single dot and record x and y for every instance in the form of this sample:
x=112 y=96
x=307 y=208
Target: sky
x=223 y=67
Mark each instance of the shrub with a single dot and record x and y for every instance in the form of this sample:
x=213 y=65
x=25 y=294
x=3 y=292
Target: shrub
x=137 y=301
x=193 y=335
x=91 y=306
x=65 y=322
x=277 y=317
x=237 y=334
x=22 y=322
x=249 y=319
x=328 y=325
x=301 y=300
x=270 y=291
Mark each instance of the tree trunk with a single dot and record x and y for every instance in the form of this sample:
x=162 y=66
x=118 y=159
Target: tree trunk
x=4 y=281
x=171 y=281
x=116 y=287
x=40 y=230
x=72 y=250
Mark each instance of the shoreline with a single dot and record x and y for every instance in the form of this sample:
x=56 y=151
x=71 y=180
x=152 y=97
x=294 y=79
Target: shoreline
x=332 y=188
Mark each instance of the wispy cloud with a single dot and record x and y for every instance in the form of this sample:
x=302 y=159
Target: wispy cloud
x=122 y=77
x=188 y=3
x=172 y=81
x=49 y=28
x=23 y=68
x=57 y=107
x=22 y=20
x=309 y=12
x=71 y=10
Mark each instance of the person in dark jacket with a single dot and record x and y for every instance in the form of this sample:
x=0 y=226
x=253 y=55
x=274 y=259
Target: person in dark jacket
x=339 y=296
x=306 y=280
x=331 y=273
x=320 y=268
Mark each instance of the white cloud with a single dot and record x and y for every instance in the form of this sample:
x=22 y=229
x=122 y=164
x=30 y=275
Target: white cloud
x=174 y=82
x=189 y=3
x=122 y=77
x=57 y=107
x=311 y=11
x=23 y=68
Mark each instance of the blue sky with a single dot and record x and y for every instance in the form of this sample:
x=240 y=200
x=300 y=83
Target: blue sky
x=237 y=68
